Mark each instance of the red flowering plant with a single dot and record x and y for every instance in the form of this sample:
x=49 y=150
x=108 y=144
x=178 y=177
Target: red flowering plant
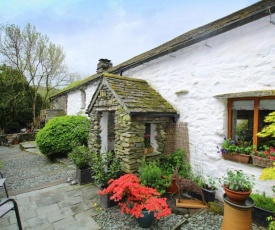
x=265 y=152
x=133 y=197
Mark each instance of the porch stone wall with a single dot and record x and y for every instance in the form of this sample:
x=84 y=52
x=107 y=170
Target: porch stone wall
x=129 y=137
x=94 y=142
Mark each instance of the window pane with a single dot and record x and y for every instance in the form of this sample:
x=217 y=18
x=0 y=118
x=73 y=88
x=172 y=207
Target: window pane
x=265 y=107
x=242 y=120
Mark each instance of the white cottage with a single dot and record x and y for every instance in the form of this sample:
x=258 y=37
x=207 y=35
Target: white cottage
x=214 y=76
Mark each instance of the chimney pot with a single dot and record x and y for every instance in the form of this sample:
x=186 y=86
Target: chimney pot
x=103 y=65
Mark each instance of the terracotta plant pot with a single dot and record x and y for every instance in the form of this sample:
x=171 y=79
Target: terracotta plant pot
x=173 y=188
x=238 y=198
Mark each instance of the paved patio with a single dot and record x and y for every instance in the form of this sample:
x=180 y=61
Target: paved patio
x=63 y=207
x=44 y=199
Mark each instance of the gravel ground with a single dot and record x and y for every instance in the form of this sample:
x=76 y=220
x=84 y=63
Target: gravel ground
x=27 y=171
x=112 y=219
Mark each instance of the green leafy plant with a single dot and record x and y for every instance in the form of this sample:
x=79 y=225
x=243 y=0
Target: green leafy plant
x=150 y=175
x=61 y=134
x=271 y=219
x=230 y=146
x=236 y=180
x=175 y=162
x=263 y=201
x=105 y=166
x=81 y=156
x=208 y=183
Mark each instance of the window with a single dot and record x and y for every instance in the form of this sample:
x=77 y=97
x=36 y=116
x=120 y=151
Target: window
x=246 y=117
x=83 y=99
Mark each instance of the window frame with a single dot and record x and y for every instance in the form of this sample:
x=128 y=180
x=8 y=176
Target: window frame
x=255 y=116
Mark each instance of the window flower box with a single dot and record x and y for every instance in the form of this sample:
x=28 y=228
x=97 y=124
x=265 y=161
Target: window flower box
x=241 y=158
x=262 y=162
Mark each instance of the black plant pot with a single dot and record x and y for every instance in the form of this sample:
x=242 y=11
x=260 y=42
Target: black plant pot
x=259 y=216
x=83 y=176
x=209 y=195
x=105 y=200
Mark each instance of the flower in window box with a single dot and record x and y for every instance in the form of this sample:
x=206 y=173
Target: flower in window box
x=231 y=146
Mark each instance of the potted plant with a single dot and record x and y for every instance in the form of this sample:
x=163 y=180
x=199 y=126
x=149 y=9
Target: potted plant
x=236 y=150
x=208 y=188
x=151 y=175
x=264 y=207
x=237 y=186
x=174 y=163
x=139 y=201
x=12 y=139
x=82 y=157
x=105 y=166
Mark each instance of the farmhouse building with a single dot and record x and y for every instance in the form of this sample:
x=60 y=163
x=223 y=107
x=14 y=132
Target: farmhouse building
x=204 y=83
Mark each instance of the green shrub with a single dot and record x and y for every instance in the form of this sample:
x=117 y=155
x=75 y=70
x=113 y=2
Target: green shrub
x=175 y=162
x=81 y=156
x=105 y=166
x=268 y=173
x=61 y=134
x=263 y=201
x=150 y=175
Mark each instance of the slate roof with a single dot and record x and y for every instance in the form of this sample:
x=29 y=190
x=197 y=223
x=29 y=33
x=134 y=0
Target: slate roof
x=135 y=95
x=251 y=13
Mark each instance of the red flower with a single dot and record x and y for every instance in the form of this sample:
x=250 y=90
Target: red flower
x=133 y=197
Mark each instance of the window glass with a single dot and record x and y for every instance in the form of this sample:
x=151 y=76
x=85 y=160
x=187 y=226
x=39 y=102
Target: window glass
x=265 y=108
x=242 y=120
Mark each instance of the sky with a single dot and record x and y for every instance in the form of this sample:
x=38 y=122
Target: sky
x=114 y=29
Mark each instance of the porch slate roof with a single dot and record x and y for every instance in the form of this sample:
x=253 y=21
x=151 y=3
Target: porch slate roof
x=134 y=95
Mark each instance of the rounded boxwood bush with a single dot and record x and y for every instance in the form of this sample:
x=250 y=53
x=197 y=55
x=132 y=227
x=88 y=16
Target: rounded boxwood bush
x=62 y=134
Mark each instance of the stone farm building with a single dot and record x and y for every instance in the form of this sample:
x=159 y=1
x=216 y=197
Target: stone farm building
x=189 y=92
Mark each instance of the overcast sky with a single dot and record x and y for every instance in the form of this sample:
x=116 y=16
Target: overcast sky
x=114 y=29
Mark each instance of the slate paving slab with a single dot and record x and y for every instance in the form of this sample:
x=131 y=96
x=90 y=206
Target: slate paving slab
x=55 y=209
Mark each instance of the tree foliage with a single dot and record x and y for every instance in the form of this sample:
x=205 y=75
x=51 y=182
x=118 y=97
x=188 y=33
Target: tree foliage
x=268 y=130
x=35 y=57
x=16 y=101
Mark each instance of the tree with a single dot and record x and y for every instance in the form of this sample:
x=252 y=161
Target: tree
x=35 y=57
x=16 y=101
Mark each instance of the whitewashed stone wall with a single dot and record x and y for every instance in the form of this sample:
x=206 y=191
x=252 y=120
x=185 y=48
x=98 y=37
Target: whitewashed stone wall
x=74 y=104
x=239 y=60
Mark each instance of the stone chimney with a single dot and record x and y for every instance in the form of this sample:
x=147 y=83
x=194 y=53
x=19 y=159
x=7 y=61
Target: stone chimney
x=103 y=65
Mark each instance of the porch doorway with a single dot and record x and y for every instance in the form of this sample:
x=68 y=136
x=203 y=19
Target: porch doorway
x=107 y=124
